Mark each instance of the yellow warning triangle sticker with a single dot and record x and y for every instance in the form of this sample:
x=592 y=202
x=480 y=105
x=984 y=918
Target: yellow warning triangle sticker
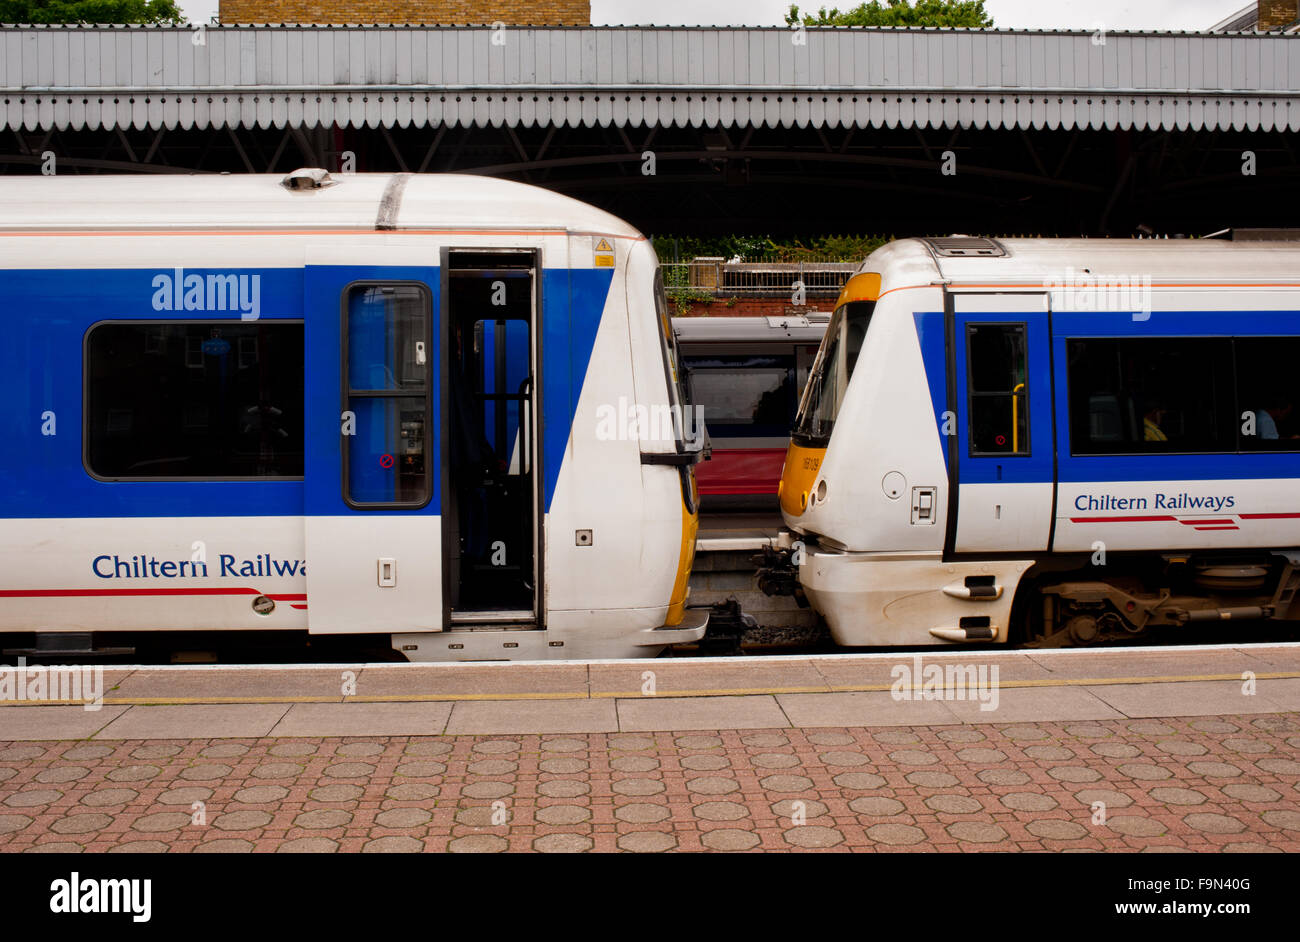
x=603 y=246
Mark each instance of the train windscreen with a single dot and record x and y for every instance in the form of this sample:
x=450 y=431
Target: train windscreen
x=831 y=372
x=687 y=433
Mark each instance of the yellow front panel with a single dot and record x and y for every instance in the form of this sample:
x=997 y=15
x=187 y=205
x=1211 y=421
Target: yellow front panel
x=690 y=529
x=798 y=476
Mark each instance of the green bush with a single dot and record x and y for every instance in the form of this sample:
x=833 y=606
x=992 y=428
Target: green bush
x=92 y=11
x=832 y=248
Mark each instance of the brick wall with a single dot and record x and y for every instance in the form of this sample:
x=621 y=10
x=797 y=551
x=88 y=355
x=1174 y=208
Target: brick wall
x=459 y=12
x=1275 y=14
x=754 y=307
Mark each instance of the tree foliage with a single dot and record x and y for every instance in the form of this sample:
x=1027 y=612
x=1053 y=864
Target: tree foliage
x=845 y=248
x=164 y=12
x=968 y=13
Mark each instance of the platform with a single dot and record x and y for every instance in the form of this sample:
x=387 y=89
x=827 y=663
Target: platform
x=737 y=531
x=1136 y=749
x=724 y=569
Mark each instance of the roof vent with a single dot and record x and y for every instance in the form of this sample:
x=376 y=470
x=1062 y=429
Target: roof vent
x=308 y=178
x=960 y=246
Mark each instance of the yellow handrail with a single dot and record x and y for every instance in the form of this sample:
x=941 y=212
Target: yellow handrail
x=1015 y=418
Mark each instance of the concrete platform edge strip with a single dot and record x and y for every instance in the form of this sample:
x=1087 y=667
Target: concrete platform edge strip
x=637 y=695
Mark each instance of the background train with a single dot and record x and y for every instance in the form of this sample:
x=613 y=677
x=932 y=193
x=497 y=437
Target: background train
x=388 y=404
x=1054 y=441
x=746 y=374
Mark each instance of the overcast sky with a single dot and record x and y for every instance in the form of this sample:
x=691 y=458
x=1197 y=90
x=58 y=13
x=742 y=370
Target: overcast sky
x=1028 y=14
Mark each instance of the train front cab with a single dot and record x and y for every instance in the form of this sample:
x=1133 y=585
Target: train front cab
x=466 y=440
x=868 y=505
x=963 y=462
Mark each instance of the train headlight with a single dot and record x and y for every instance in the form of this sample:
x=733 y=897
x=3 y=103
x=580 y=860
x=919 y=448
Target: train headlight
x=821 y=491
x=803 y=500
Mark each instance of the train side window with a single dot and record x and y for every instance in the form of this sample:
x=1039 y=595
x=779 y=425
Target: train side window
x=1268 y=393
x=743 y=395
x=197 y=400
x=997 y=372
x=388 y=353
x=1150 y=395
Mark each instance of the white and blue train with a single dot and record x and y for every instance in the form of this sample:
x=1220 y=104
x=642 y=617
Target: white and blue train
x=406 y=405
x=1050 y=441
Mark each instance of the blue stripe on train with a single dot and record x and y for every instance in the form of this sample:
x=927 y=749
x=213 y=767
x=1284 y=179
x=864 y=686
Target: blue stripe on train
x=1070 y=324
x=930 y=332
x=48 y=311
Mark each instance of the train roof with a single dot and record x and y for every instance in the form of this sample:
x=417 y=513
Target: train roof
x=750 y=329
x=261 y=202
x=963 y=260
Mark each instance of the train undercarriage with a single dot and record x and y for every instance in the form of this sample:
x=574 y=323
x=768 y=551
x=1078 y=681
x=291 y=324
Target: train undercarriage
x=1065 y=601
x=1065 y=607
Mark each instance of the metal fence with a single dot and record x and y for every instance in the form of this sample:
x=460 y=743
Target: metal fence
x=760 y=278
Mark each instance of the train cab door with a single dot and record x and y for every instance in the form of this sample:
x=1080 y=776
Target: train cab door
x=491 y=525
x=370 y=489
x=1002 y=477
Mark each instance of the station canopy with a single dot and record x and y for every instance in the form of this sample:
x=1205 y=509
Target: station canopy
x=106 y=77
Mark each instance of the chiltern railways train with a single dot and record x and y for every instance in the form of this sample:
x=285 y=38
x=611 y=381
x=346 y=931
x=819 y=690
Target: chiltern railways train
x=441 y=408
x=1050 y=441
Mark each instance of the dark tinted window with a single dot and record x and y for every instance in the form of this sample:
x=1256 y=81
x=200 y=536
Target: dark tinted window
x=999 y=394
x=1268 y=389
x=195 y=399
x=744 y=395
x=1151 y=395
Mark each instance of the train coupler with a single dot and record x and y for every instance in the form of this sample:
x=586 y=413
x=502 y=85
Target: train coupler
x=727 y=626
x=777 y=574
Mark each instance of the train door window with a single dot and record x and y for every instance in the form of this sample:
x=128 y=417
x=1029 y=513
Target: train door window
x=212 y=400
x=489 y=521
x=1268 y=393
x=386 y=418
x=997 y=376
x=1150 y=395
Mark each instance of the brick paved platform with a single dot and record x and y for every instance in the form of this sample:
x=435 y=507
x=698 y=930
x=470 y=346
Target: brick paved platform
x=1134 y=750
x=1223 y=784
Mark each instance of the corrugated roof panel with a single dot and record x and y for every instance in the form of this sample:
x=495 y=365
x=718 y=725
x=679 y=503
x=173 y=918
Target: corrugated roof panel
x=261 y=75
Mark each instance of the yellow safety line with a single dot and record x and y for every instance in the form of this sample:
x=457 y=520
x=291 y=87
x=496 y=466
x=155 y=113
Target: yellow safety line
x=638 y=695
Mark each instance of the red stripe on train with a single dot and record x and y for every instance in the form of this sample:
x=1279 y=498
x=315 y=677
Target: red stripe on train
x=97 y=593
x=1120 y=519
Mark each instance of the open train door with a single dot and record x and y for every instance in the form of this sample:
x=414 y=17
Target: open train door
x=372 y=500
x=491 y=438
x=1003 y=469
